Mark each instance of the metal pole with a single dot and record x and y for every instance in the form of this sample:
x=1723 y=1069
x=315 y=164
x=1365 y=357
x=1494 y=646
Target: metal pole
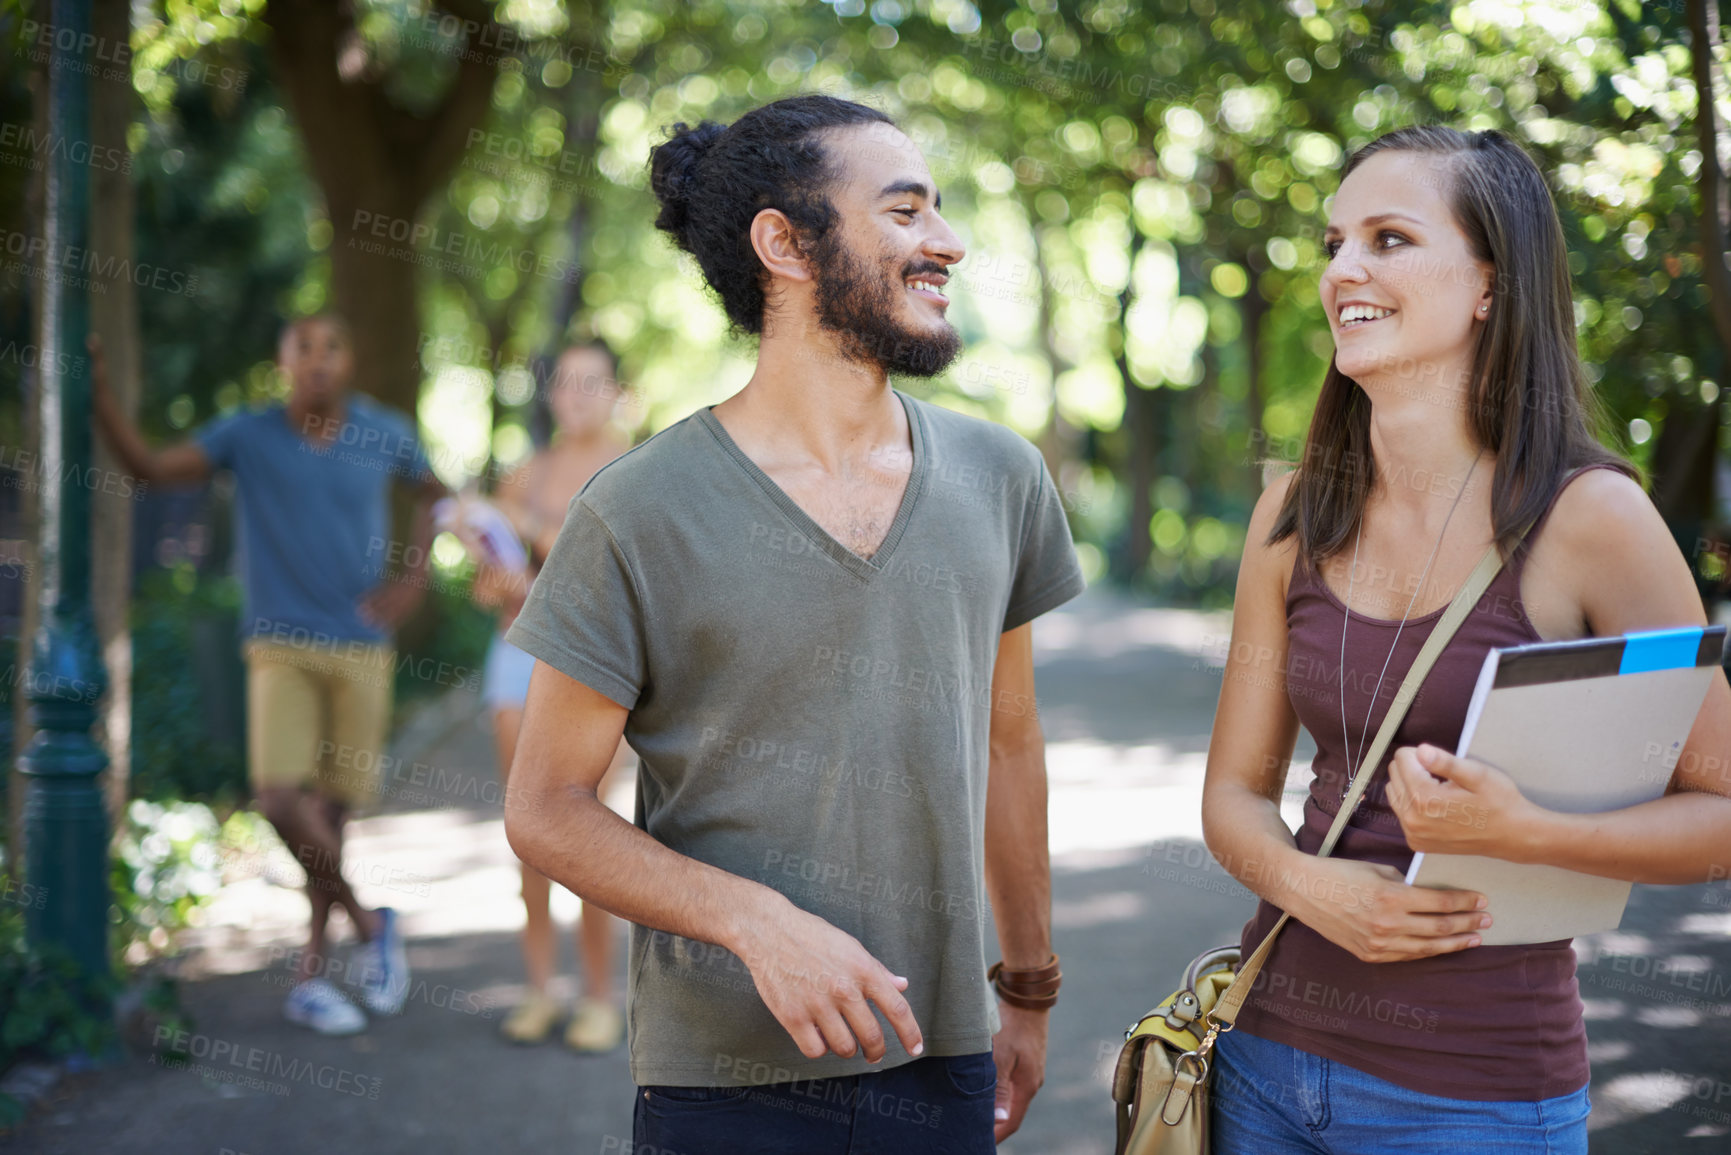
x=65 y=830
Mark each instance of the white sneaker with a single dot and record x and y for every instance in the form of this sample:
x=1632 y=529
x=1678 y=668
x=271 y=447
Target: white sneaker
x=317 y=1004
x=381 y=968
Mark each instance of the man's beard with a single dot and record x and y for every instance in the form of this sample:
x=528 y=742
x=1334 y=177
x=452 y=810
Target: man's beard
x=858 y=304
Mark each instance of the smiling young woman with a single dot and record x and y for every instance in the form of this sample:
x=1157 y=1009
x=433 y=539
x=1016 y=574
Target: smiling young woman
x=1454 y=416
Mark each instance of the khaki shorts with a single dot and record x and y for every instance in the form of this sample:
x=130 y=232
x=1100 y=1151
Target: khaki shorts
x=317 y=718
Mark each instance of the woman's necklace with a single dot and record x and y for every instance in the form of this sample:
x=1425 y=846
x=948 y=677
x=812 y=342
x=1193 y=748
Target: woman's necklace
x=1351 y=576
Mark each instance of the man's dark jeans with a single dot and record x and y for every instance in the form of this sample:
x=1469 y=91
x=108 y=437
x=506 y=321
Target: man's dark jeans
x=932 y=1106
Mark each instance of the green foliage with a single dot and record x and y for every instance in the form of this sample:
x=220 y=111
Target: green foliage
x=8 y=684
x=448 y=645
x=45 y=1002
x=1141 y=187
x=167 y=862
x=182 y=641
x=227 y=212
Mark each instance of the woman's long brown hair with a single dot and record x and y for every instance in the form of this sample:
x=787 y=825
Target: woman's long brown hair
x=1527 y=400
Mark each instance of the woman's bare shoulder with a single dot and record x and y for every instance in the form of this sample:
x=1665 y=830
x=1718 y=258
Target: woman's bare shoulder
x=1270 y=561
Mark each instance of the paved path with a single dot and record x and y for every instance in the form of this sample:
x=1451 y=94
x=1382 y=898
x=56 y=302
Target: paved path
x=1127 y=694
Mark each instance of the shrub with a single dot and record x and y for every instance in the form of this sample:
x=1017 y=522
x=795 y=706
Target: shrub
x=188 y=689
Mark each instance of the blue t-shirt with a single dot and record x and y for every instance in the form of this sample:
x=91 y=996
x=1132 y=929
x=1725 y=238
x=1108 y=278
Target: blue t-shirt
x=314 y=522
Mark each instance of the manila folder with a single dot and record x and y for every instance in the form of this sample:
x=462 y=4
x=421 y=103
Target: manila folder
x=1574 y=744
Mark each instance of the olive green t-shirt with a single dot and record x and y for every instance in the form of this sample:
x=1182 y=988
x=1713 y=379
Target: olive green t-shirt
x=806 y=718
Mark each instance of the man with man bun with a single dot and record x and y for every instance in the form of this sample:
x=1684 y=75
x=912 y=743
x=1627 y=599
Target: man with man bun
x=807 y=609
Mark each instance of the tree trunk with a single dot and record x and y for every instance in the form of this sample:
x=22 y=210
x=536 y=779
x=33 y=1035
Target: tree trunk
x=1252 y=309
x=114 y=316
x=1058 y=439
x=1142 y=425
x=584 y=117
x=1715 y=203
x=376 y=164
x=1683 y=465
x=1688 y=447
x=376 y=295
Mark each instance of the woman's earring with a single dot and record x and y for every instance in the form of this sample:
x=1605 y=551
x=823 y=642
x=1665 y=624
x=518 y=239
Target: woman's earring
x=1484 y=310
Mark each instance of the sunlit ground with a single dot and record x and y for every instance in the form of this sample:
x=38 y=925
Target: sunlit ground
x=1126 y=694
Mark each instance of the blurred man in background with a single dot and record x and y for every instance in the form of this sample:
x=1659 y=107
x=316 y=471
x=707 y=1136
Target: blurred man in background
x=314 y=476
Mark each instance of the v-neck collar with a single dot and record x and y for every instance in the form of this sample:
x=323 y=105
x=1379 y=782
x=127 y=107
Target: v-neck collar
x=845 y=557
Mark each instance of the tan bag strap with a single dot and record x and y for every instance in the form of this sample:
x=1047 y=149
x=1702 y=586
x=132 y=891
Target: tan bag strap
x=1226 y=1010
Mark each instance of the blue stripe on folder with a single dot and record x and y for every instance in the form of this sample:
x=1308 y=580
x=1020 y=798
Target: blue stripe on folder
x=1637 y=653
x=1659 y=650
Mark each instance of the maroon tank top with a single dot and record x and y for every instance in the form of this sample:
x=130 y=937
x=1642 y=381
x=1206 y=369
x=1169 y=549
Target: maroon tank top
x=1489 y=1023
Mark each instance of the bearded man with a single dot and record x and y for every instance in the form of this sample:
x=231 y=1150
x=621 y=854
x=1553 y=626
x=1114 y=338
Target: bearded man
x=807 y=609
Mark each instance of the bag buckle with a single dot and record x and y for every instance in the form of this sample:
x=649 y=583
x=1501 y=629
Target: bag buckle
x=1199 y=1056
x=1183 y=1091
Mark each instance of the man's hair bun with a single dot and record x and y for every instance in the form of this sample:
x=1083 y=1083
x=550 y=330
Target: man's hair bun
x=673 y=169
x=713 y=180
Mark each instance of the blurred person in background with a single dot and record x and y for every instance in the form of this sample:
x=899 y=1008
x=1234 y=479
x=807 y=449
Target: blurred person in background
x=314 y=475
x=582 y=398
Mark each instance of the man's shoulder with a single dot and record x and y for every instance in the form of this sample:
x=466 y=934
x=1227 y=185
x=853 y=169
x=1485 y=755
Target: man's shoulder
x=246 y=421
x=962 y=439
x=367 y=410
x=256 y=414
x=640 y=478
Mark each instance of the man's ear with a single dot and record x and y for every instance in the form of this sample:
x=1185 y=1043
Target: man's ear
x=778 y=246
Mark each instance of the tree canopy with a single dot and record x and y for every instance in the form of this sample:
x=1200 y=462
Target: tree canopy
x=1141 y=186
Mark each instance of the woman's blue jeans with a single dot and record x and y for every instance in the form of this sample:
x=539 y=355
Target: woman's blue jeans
x=1272 y=1099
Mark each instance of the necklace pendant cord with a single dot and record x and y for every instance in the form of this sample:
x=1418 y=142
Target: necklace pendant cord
x=1346 y=606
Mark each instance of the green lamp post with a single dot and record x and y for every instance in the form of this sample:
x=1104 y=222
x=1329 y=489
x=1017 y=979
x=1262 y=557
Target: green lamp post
x=65 y=828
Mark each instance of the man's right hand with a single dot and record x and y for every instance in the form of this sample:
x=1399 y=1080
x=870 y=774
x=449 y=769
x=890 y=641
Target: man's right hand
x=819 y=983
